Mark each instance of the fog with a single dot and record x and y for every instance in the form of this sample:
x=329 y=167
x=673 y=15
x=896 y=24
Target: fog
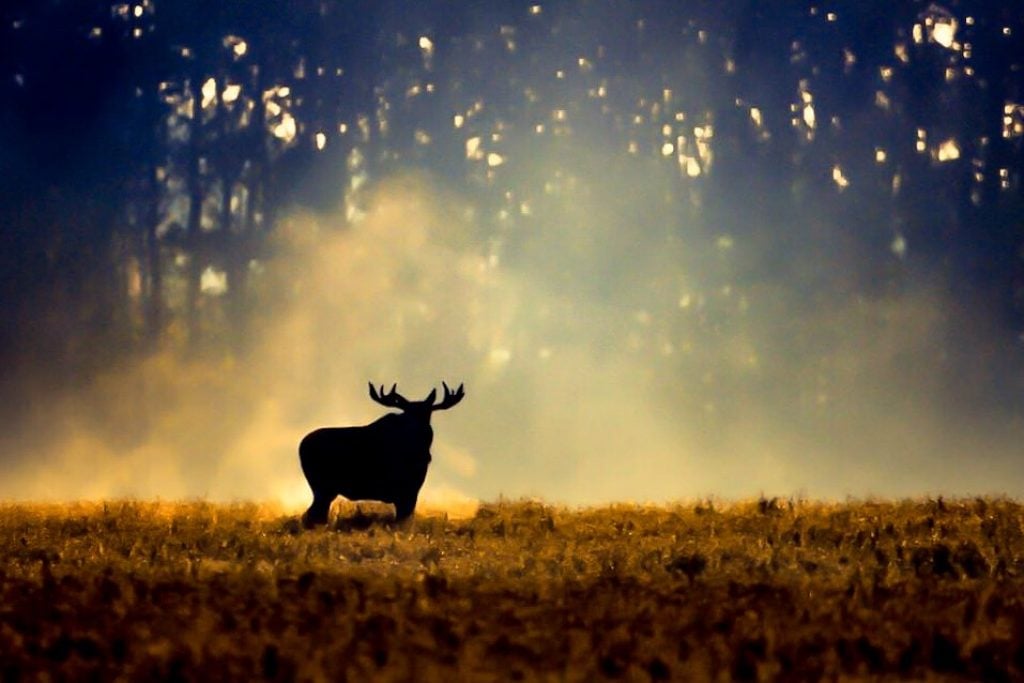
x=610 y=352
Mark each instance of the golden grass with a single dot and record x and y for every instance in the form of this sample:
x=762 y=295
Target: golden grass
x=757 y=590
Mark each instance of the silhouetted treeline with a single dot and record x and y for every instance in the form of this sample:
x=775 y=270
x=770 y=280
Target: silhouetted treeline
x=149 y=148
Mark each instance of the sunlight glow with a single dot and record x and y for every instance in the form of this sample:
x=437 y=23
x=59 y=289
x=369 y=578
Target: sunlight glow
x=209 y=92
x=473 y=150
x=237 y=45
x=427 y=45
x=898 y=246
x=809 y=117
x=690 y=165
x=286 y=129
x=943 y=31
x=703 y=134
x=213 y=282
x=806 y=109
x=839 y=179
x=499 y=357
x=849 y=59
x=948 y=150
x=1013 y=120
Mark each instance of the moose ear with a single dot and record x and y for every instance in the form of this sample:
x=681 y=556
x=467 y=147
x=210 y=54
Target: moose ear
x=430 y=397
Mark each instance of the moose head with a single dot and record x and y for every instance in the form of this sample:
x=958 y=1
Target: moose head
x=385 y=460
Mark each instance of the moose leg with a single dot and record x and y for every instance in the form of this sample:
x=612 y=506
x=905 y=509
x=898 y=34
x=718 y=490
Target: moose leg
x=317 y=512
x=404 y=508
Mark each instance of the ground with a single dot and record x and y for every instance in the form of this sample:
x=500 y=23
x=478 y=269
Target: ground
x=799 y=590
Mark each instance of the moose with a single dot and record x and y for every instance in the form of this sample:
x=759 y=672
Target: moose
x=385 y=460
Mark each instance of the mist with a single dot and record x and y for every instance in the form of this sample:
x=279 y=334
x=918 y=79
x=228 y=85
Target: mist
x=604 y=361
x=672 y=252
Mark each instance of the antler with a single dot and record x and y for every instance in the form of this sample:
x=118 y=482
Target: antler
x=450 y=397
x=391 y=399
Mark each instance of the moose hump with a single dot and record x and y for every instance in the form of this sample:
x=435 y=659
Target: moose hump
x=385 y=460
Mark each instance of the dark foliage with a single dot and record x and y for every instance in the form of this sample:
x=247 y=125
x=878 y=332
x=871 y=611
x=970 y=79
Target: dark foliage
x=123 y=149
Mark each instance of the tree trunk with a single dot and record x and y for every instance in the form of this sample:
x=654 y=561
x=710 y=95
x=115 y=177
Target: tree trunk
x=154 y=293
x=193 y=230
x=235 y=243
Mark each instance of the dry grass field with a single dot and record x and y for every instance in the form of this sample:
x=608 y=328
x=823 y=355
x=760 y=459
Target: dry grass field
x=521 y=591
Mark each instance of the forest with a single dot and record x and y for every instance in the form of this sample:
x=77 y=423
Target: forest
x=740 y=187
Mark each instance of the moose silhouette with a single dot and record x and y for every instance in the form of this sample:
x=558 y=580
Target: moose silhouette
x=385 y=460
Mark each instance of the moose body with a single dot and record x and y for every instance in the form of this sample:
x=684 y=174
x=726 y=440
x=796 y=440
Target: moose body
x=385 y=460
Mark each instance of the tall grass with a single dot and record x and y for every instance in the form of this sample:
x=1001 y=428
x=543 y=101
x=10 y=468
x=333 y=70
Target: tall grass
x=708 y=590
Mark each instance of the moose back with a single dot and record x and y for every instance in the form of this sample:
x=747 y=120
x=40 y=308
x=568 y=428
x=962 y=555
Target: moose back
x=385 y=460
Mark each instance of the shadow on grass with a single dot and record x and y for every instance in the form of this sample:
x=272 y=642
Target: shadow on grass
x=348 y=518
x=362 y=519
